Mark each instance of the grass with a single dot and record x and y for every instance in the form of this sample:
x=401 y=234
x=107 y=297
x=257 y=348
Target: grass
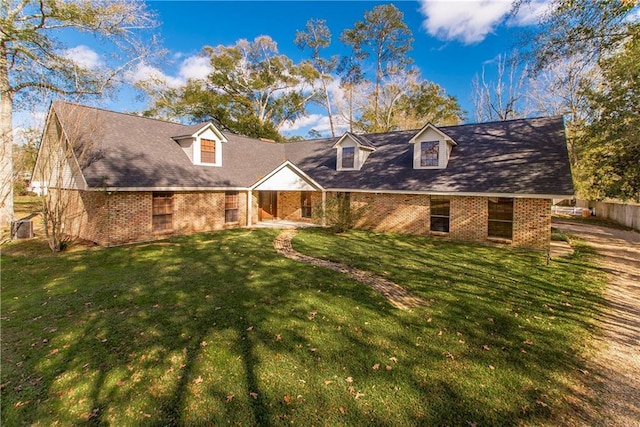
x=217 y=328
x=592 y=220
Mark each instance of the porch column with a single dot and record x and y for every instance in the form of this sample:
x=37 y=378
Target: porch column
x=249 y=208
x=324 y=208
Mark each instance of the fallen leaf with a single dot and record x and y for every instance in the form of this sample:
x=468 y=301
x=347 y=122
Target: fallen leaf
x=541 y=403
x=359 y=395
x=253 y=394
x=120 y=383
x=313 y=350
x=429 y=320
x=349 y=379
x=278 y=337
x=376 y=366
x=230 y=397
x=342 y=410
x=203 y=344
x=492 y=367
x=327 y=382
x=146 y=415
x=486 y=347
x=198 y=380
x=250 y=328
x=287 y=399
x=388 y=367
x=440 y=333
x=351 y=389
x=528 y=342
x=394 y=359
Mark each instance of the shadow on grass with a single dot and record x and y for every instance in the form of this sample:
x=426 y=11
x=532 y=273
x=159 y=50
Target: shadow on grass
x=218 y=327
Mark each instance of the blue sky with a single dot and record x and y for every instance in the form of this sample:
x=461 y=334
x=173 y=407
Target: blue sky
x=453 y=39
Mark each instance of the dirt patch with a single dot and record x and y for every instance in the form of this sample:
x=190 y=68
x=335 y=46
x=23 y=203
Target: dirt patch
x=615 y=368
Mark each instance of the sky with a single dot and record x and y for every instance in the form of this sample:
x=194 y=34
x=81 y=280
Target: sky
x=453 y=41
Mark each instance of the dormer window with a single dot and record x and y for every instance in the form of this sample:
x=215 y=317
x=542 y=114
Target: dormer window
x=429 y=151
x=431 y=148
x=348 y=157
x=202 y=144
x=352 y=151
x=207 y=150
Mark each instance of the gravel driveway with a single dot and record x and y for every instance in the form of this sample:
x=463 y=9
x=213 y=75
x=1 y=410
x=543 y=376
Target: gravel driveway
x=615 y=367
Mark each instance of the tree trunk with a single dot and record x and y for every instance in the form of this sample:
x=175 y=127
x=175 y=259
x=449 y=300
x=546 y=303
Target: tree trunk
x=6 y=149
x=328 y=101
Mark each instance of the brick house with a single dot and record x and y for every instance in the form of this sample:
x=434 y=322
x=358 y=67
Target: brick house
x=130 y=178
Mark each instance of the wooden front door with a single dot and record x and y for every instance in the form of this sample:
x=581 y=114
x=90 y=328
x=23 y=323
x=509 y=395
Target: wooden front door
x=267 y=205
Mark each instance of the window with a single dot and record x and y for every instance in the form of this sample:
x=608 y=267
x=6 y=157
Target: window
x=162 y=212
x=501 y=217
x=305 y=203
x=440 y=207
x=348 y=157
x=231 y=206
x=207 y=151
x=429 y=153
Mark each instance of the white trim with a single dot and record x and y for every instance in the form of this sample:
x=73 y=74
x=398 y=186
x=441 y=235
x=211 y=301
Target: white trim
x=453 y=193
x=446 y=137
x=296 y=169
x=132 y=189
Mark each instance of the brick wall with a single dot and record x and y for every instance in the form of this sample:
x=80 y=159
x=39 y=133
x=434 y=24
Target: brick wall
x=532 y=223
x=130 y=217
x=468 y=219
x=396 y=213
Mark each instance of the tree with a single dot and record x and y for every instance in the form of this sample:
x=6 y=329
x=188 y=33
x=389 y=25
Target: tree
x=609 y=165
x=317 y=36
x=24 y=158
x=67 y=147
x=253 y=90
x=408 y=102
x=587 y=28
x=32 y=58
x=504 y=99
x=385 y=35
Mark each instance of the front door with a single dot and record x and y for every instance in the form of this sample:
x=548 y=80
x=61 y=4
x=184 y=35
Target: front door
x=267 y=205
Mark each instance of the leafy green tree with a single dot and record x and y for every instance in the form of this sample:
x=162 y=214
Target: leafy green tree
x=610 y=161
x=253 y=90
x=315 y=37
x=384 y=35
x=408 y=102
x=34 y=60
x=592 y=28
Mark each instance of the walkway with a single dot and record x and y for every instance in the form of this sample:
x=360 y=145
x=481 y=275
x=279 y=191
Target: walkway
x=616 y=364
x=396 y=294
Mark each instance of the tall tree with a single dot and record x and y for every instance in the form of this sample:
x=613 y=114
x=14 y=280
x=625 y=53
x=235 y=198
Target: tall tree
x=317 y=36
x=589 y=28
x=504 y=98
x=33 y=59
x=252 y=90
x=408 y=102
x=384 y=35
x=609 y=165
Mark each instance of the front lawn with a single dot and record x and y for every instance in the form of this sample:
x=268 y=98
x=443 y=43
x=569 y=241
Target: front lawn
x=218 y=328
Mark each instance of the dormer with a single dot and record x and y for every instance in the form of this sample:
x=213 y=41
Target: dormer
x=202 y=143
x=352 y=151
x=431 y=148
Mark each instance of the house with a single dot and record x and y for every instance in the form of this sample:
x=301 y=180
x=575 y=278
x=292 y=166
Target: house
x=133 y=179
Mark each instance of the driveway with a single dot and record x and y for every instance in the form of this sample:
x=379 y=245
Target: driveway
x=615 y=366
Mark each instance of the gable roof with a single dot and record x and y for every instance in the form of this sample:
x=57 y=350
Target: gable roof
x=526 y=156
x=430 y=126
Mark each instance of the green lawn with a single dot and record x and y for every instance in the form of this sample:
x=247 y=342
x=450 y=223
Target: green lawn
x=217 y=328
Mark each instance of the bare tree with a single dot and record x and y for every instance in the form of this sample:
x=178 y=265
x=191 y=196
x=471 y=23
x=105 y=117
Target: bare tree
x=68 y=145
x=33 y=59
x=504 y=98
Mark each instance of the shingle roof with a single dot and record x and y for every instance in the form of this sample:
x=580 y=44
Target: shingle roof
x=527 y=156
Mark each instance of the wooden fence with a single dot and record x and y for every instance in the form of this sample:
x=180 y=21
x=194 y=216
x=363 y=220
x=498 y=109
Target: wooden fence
x=625 y=214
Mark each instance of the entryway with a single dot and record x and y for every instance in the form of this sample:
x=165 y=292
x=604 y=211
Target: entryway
x=267 y=205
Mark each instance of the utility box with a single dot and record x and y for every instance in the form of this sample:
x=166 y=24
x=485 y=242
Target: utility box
x=22 y=229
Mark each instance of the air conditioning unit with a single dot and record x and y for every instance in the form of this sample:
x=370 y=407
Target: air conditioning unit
x=22 y=229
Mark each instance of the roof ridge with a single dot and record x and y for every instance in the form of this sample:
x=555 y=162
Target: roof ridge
x=120 y=112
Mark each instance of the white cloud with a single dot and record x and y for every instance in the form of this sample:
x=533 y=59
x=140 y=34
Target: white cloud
x=192 y=67
x=195 y=67
x=84 y=57
x=470 y=21
x=301 y=123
